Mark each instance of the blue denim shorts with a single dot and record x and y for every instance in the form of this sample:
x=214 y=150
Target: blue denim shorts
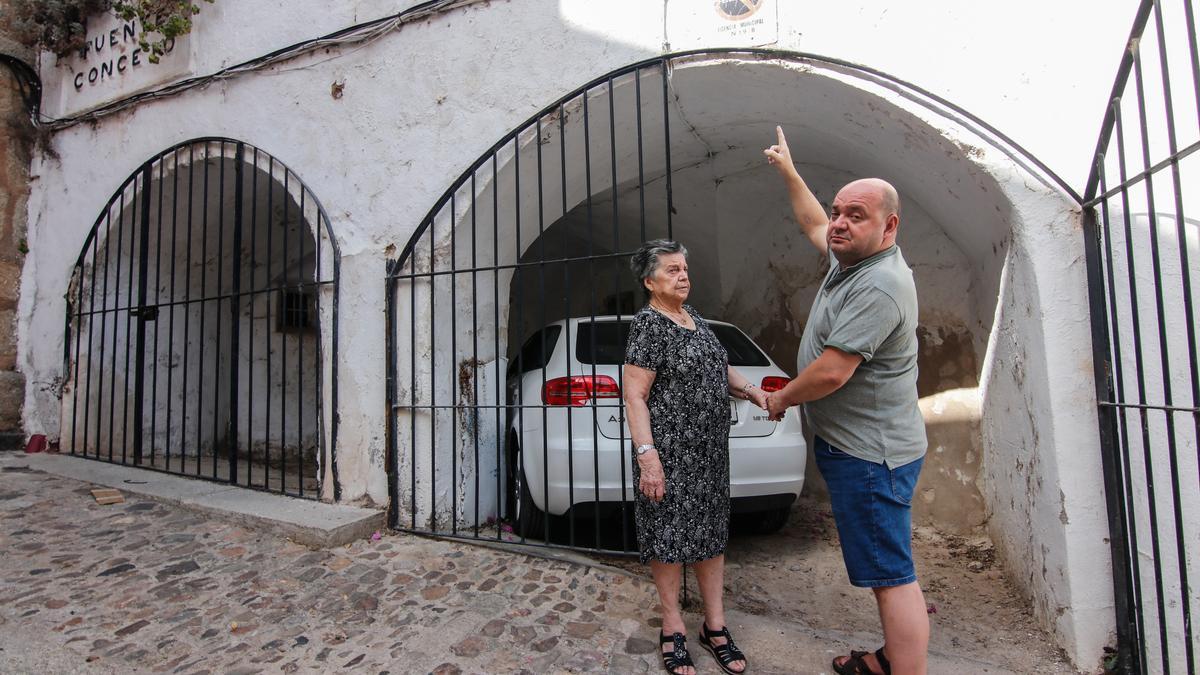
x=872 y=506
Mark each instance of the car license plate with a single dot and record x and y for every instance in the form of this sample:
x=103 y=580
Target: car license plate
x=732 y=412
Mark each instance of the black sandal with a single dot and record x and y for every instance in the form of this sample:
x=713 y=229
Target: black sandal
x=678 y=657
x=724 y=654
x=855 y=665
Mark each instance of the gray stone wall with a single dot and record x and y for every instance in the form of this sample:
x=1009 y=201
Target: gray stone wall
x=14 y=194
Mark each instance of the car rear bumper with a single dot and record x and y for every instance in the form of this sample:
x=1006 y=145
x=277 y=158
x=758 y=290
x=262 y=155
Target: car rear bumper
x=599 y=470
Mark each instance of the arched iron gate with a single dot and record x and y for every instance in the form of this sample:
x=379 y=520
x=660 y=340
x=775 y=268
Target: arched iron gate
x=1142 y=255
x=201 y=324
x=542 y=223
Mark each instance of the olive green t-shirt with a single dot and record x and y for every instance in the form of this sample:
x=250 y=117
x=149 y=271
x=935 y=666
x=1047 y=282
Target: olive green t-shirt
x=869 y=309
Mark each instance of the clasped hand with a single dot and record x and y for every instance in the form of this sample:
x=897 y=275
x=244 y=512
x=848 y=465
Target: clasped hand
x=772 y=403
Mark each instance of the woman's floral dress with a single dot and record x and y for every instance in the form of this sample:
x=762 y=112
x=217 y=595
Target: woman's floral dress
x=689 y=419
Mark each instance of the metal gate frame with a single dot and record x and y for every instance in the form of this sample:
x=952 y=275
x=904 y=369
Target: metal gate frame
x=138 y=188
x=1116 y=350
x=403 y=269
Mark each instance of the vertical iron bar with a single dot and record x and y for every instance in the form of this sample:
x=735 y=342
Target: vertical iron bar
x=87 y=392
x=78 y=336
x=542 y=326
x=432 y=232
x=496 y=317
x=139 y=375
x=112 y=384
x=637 y=88
x=453 y=369
x=283 y=318
x=104 y=328
x=162 y=170
x=171 y=299
x=667 y=146
x=392 y=400
x=591 y=252
x=621 y=450
x=520 y=297
x=1122 y=589
x=568 y=326
x=221 y=256
x=389 y=308
x=475 y=411
x=1129 y=651
x=140 y=194
x=235 y=314
x=117 y=314
x=187 y=316
x=272 y=296
x=301 y=235
x=203 y=311
x=412 y=382
x=254 y=297
x=334 y=415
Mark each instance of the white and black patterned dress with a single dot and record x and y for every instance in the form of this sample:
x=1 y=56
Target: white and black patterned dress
x=689 y=419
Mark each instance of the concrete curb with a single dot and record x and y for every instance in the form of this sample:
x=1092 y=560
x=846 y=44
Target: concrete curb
x=310 y=523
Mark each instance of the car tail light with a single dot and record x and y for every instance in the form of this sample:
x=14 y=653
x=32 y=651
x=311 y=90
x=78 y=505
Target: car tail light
x=578 y=389
x=772 y=383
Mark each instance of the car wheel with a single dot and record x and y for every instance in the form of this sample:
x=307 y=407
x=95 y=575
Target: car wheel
x=528 y=520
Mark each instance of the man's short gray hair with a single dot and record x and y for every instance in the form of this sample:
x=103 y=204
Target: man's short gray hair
x=644 y=261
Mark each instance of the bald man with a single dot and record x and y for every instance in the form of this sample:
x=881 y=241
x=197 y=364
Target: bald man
x=857 y=380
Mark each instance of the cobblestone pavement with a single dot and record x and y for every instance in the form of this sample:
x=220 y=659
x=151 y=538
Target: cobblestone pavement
x=142 y=586
x=145 y=586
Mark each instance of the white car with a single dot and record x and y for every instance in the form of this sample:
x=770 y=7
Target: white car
x=569 y=447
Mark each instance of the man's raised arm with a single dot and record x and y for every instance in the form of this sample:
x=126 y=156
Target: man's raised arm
x=812 y=218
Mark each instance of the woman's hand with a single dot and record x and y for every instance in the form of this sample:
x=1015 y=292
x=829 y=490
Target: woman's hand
x=758 y=397
x=652 y=483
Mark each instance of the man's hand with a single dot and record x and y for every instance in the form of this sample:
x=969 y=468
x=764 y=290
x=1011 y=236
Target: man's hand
x=652 y=483
x=780 y=156
x=776 y=406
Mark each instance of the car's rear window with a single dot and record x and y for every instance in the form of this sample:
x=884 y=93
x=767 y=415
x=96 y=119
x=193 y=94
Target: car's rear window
x=536 y=351
x=603 y=343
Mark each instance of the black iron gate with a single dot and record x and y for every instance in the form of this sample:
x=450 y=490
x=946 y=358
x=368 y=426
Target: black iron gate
x=521 y=260
x=1142 y=255
x=523 y=228
x=201 y=324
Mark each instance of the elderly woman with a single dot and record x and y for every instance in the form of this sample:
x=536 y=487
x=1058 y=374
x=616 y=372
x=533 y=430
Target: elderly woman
x=677 y=387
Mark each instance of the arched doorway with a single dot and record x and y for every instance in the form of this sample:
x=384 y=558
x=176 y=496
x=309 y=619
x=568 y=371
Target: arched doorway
x=201 y=324
x=537 y=230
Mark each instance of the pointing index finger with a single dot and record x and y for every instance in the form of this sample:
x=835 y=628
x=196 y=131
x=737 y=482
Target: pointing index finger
x=779 y=135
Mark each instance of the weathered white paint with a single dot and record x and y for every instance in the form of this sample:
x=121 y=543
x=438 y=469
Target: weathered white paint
x=420 y=104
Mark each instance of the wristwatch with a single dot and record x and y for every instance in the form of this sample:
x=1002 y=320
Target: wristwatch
x=746 y=389
x=643 y=449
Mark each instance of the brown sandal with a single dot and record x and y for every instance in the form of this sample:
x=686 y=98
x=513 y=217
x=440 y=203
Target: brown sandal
x=857 y=665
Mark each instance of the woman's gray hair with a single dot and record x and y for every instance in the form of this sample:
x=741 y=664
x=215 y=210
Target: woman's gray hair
x=644 y=261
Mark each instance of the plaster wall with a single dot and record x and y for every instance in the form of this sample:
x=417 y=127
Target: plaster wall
x=410 y=118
